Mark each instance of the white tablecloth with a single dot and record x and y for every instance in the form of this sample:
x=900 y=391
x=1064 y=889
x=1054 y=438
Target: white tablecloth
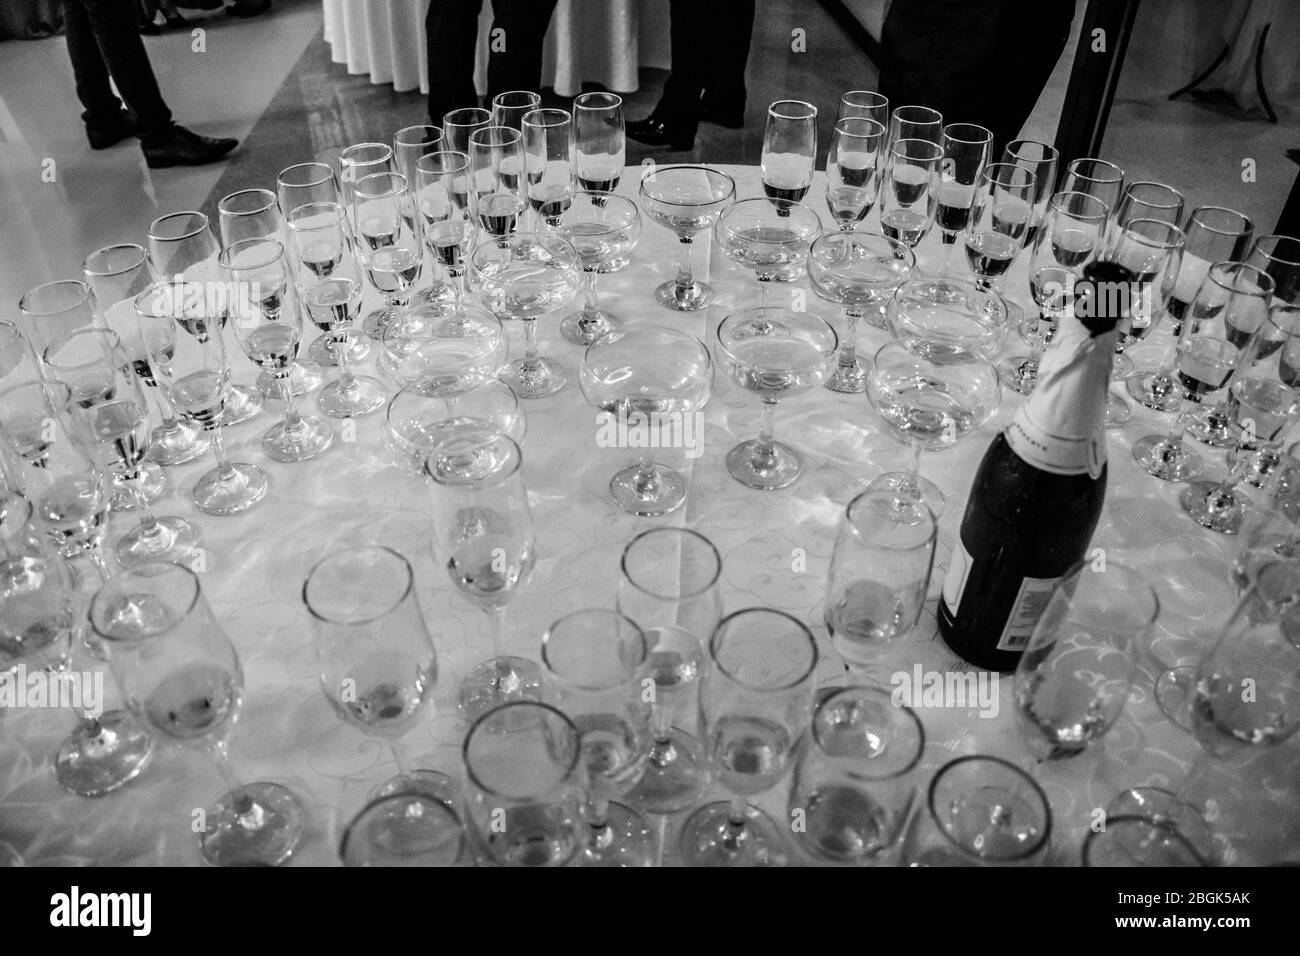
x=287 y=731
x=592 y=41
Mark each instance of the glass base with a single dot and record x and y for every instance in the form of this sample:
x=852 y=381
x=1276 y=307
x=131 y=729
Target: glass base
x=242 y=404
x=709 y=838
x=848 y=379
x=1019 y=373
x=911 y=488
x=230 y=494
x=676 y=776
x=1208 y=427
x=499 y=681
x=690 y=298
x=364 y=396
x=534 y=378
x=153 y=482
x=437 y=291
x=1166 y=460
x=303 y=379
x=428 y=783
x=1147 y=388
x=1174 y=695
x=258 y=825
x=584 y=328
x=775 y=466
x=320 y=352
x=377 y=321
x=1163 y=807
x=625 y=840
x=311 y=437
x=635 y=495
x=173 y=540
x=93 y=764
x=1215 y=507
x=1118 y=411
x=177 y=445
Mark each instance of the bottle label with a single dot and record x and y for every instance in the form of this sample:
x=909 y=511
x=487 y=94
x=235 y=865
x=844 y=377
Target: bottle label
x=1031 y=602
x=1054 y=454
x=954 y=582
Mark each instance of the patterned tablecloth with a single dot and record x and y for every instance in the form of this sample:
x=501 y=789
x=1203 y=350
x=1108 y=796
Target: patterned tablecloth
x=776 y=547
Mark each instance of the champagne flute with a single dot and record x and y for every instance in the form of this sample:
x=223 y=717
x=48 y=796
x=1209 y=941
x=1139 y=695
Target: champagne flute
x=789 y=151
x=14 y=351
x=484 y=536
x=359 y=161
x=442 y=185
x=603 y=229
x=496 y=162
x=866 y=104
x=911 y=190
x=195 y=374
x=549 y=160
x=916 y=122
x=687 y=200
x=410 y=144
x=1279 y=256
x=269 y=327
x=997 y=222
x=669 y=587
x=770 y=236
x=595 y=666
x=177 y=670
x=52 y=310
x=510 y=108
x=755 y=701
x=305 y=183
x=459 y=125
x=852 y=183
x=1263 y=457
x=1042 y=160
x=1095 y=177
x=1148 y=200
x=966 y=149
x=600 y=141
x=391 y=246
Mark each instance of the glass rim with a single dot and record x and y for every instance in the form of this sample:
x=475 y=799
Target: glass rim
x=750 y=310
x=268 y=200
x=669 y=529
x=903 y=154
x=592 y=611
x=1050 y=153
x=922 y=507
x=85 y=295
x=397 y=184
x=1272 y=256
x=1060 y=197
x=407 y=589
x=1176 y=199
x=12 y=327
x=275 y=251
x=839 y=237
x=422 y=167
x=879 y=98
x=427 y=801
x=887 y=698
x=724 y=223
x=842 y=128
x=398 y=140
x=484 y=114
x=43 y=385
x=1154 y=822
x=937 y=116
x=568 y=771
x=324 y=205
x=113 y=339
x=200 y=224
x=542 y=117
x=1073 y=169
x=1232 y=267
x=157 y=567
x=529 y=95
x=104 y=251
x=1136 y=580
x=281 y=181
x=498 y=477
x=808 y=111
x=992 y=170
x=1043 y=837
x=1176 y=240
x=803 y=629
x=348 y=155
x=1246 y=222
x=709 y=171
x=411 y=392
x=508 y=135
x=625 y=203
x=578 y=103
x=987 y=136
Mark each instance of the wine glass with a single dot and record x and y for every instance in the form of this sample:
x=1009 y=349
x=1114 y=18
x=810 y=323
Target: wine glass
x=1211 y=234
x=1071 y=236
x=549 y=159
x=510 y=108
x=595 y=666
x=403 y=829
x=359 y=161
x=687 y=200
x=524 y=793
x=459 y=125
x=879 y=573
x=669 y=587
x=980 y=811
x=1139 y=841
x=966 y=149
x=916 y=122
x=1209 y=350
x=496 y=163
x=755 y=701
x=1279 y=256
x=770 y=236
x=952 y=312
x=929 y=399
x=116 y=275
x=483 y=535
x=416 y=421
x=911 y=190
x=600 y=141
x=178 y=671
x=1076 y=671
x=773 y=353
x=998 y=220
x=303 y=184
x=852 y=164
x=653 y=379
x=1041 y=160
x=376 y=659
x=789 y=151
x=523 y=276
x=860 y=271
x=269 y=327
x=52 y=310
x=249 y=214
x=1095 y=177
x=1148 y=200
x=327 y=270
x=444 y=349
x=854 y=776
x=442 y=185
x=603 y=229
x=390 y=246
x=866 y=104
x=192 y=367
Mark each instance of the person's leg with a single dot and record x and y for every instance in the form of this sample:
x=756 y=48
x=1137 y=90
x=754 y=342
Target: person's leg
x=933 y=49
x=692 y=44
x=724 y=83
x=103 y=110
x=451 y=29
x=519 y=65
x=1031 y=35
x=112 y=23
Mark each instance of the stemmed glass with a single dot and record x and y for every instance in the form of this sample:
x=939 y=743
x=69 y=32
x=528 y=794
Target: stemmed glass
x=1041 y=160
x=1279 y=256
x=459 y=125
x=327 y=271
x=510 y=108
x=1133 y=840
x=603 y=229
x=1077 y=669
x=192 y=367
x=1071 y=236
x=911 y=190
x=687 y=200
x=524 y=793
x=442 y=185
x=1211 y=234
x=1147 y=200
x=183 y=252
x=356 y=163
x=444 y=349
x=117 y=274
x=997 y=222
x=376 y=659
x=305 y=183
x=390 y=246
x=523 y=276
x=860 y=271
x=655 y=379
x=496 y=163
x=483 y=535
x=789 y=151
x=412 y=142
x=595 y=665
x=1095 y=177
x=916 y=122
x=770 y=236
x=852 y=164
x=950 y=312
x=549 y=159
x=755 y=701
x=416 y=421
x=773 y=355
x=269 y=327
x=966 y=149
x=404 y=829
x=669 y=587
x=600 y=140
x=177 y=669
x=54 y=309
x=879 y=574
x=13 y=351
x=866 y=104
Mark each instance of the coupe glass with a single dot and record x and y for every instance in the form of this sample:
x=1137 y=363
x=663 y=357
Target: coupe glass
x=444 y=348
x=774 y=353
x=496 y=165
x=756 y=700
x=442 y=184
x=911 y=190
x=390 y=244
x=523 y=276
x=789 y=151
x=510 y=108
x=603 y=229
x=770 y=236
x=966 y=151
x=549 y=159
x=404 y=829
x=459 y=125
x=600 y=140
x=655 y=380
x=1147 y=200
x=935 y=315
x=178 y=671
x=595 y=666
x=669 y=587
x=860 y=271
x=416 y=421
x=867 y=104
x=852 y=164
x=687 y=200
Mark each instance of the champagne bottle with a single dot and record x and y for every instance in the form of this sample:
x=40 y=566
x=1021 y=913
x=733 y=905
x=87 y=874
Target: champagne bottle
x=1038 y=493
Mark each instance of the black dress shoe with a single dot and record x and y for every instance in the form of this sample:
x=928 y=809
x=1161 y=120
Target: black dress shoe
x=675 y=134
x=732 y=117
x=104 y=135
x=180 y=147
x=248 y=8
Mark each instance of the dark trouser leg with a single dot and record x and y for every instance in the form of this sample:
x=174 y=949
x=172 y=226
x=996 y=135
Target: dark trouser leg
x=519 y=66
x=732 y=29
x=1031 y=35
x=690 y=49
x=113 y=25
x=931 y=48
x=88 y=69
x=451 y=28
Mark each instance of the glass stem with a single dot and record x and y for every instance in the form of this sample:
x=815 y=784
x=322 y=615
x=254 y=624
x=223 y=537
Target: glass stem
x=762 y=291
x=399 y=757
x=914 y=467
x=647 y=479
x=292 y=420
x=589 y=305
x=497 y=627
x=339 y=346
x=149 y=527
x=224 y=468
x=241 y=800
x=598 y=820
x=736 y=814
x=684 y=278
x=767 y=430
x=848 y=350
x=949 y=243
x=530 y=344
